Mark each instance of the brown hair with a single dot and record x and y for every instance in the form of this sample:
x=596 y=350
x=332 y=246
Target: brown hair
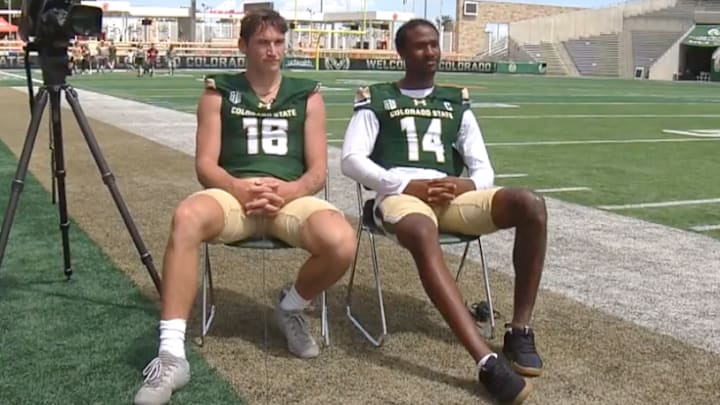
x=259 y=19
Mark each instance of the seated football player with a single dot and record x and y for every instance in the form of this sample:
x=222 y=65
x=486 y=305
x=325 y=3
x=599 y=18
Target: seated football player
x=261 y=156
x=409 y=141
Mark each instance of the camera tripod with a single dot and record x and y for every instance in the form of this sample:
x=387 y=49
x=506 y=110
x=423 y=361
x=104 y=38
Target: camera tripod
x=55 y=70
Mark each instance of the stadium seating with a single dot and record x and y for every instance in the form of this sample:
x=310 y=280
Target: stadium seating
x=596 y=56
x=548 y=53
x=648 y=46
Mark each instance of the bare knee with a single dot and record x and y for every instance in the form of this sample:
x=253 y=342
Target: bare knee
x=532 y=205
x=328 y=234
x=416 y=232
x=520 y=206
x=195 y=219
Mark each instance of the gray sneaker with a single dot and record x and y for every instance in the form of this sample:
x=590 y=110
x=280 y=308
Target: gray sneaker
x=295 y=328
x=164 y=375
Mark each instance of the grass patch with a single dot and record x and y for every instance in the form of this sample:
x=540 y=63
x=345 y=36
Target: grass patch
x=85 y=341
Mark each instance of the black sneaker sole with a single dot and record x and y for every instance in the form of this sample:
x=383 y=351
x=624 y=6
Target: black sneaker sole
x=526 y=371
x=522 y=396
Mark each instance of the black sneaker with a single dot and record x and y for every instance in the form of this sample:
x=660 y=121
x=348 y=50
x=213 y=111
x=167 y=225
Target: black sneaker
x=519 y=348
x=502 y=382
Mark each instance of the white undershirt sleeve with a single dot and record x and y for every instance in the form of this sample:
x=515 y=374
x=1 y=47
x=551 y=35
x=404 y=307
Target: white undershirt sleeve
x=471 y=146
x=360 y=136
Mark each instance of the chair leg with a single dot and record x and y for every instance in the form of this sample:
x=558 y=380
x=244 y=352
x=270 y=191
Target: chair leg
x=488 y=295
x=462 y=261
x=207 y=295
x=348 y=302
x=325 y=330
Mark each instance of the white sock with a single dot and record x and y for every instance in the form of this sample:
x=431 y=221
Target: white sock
x=293 y=301
x=172 y=337
x=484 y=360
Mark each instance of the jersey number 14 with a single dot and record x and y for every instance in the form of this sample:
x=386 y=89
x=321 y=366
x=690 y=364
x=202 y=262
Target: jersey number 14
x=270 y=134
x=431 y=141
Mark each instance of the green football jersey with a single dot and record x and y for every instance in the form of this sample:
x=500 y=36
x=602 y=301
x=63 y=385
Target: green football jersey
x=416 y=132
x=262 y=139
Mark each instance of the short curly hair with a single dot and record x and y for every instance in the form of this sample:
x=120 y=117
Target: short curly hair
x=401 y=35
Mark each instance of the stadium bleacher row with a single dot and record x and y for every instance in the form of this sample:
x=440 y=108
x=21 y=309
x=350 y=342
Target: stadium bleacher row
x=639 y=39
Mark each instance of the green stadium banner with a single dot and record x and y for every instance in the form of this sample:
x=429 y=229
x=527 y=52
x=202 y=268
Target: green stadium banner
x=237 y=62
x=468 y=66
x=526 y=68
x=704 y=35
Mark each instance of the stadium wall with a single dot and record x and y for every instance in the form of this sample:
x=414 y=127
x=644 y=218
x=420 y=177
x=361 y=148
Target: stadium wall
x=627 y=65
x=470 y=36
x=669 y=63
x=582 y=23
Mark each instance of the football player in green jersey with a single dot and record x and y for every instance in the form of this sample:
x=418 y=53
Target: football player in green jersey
x=261 y=156
x=409 y=141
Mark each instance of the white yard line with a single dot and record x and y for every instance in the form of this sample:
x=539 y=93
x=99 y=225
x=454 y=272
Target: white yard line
x=510 y=175
x=701 y=133
x=599 y=141
x=17 y=76
x=705 y=228
x=562 y=189
x=575 y=116
x=586 y=142
x=660 y=204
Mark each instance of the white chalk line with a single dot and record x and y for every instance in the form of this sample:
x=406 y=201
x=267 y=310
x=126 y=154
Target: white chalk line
x=660 y=204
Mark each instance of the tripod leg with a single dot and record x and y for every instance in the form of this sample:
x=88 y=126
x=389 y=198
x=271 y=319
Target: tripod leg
x=109 y=180
x=23 y=163
x=59 y=167
x=52 y=164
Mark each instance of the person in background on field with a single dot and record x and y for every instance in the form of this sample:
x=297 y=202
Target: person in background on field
x=170 y=56
x=152 y=55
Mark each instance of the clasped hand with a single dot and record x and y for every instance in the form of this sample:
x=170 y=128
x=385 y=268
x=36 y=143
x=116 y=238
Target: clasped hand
x=262 y=196
x=437 y=191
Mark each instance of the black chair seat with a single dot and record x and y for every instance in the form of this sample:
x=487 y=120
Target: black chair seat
x=259 y=242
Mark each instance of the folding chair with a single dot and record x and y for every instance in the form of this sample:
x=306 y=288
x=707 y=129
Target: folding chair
x=367 y=224
x=255 y=243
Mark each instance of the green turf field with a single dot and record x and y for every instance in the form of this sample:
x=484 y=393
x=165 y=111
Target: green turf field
x=602 y=138
x=79 y=342
x=596 y=142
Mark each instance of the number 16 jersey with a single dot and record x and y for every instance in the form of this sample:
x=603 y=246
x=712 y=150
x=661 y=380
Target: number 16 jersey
x=416 y=132
x=262 y=139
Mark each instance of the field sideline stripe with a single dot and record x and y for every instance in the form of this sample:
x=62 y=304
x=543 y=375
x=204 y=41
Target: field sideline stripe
x=20 y=77
x=704 y=228
x=660 y=204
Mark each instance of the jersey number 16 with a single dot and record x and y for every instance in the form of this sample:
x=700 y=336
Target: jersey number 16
x=268 y=133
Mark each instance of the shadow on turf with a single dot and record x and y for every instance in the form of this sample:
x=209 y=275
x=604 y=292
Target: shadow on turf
x=8 y=284
x=239 y=315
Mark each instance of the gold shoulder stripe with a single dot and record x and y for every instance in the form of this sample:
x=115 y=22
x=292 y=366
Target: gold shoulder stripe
x=465 y=95
x=362 y=96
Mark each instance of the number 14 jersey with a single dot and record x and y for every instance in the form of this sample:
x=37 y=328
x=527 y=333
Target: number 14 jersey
x=262 y=139
x=416 y=132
